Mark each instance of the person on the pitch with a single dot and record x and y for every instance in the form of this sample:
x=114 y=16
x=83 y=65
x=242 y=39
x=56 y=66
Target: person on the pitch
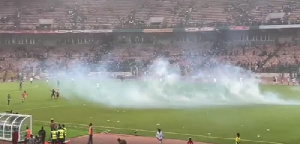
x=90 y=134
x=8 y=99
x=52 y=94
x=20 y=85
x=237 y=139
x=57 y=93
x=24 y=95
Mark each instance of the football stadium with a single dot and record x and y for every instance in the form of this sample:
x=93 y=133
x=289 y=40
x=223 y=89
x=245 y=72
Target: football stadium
x=149 y=71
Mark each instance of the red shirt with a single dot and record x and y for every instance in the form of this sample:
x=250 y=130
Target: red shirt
x=15 y=136
x=190 y=142
x=27 y=133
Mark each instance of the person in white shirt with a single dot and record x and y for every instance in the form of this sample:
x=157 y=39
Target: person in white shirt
x=31 y=80
x=294 y=81
x=98 y=85
x=241 y=80
x=288 y=80
x=159 y=136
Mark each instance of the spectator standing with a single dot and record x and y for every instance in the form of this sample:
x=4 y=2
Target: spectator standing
x=237 y=139
x=15 y=136
x=90 y=134
x=159 y=136
x=52 y=124
x=65 y=131
x=53 y=136
x=31 y=140
x=42 y=135
x=61 y=135
x=27 y=136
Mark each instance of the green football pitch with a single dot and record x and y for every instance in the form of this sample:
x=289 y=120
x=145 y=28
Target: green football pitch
x=277 y=124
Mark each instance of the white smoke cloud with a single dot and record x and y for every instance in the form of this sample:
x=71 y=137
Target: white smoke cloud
x=163 y=87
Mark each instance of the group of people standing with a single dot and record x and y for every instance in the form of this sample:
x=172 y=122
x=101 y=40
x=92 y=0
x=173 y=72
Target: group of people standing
x=58 y=133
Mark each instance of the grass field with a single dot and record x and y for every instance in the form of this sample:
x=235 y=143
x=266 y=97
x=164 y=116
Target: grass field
x=222 y=122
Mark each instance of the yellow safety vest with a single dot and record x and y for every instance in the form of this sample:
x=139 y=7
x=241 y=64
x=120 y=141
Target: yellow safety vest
x=54 y=135
x=61 y=133
x=65 y=130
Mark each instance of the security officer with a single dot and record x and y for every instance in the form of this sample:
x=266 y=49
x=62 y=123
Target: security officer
x=53 y=136
x=65 y=130
x=61 y=135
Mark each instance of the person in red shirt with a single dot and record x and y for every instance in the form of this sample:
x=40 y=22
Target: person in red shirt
x=27 y=136
x=90 y=134
x=190 y=141
x=15 y=136
x=24 y=95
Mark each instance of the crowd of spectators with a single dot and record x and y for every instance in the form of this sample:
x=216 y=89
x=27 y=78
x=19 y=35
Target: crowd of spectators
x=125 y=57
x=102 y=14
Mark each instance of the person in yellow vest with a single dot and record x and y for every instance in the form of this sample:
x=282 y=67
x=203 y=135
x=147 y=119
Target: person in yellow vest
x=61 y=135
x=53 y=136
x=237 y=139
x=65 y=130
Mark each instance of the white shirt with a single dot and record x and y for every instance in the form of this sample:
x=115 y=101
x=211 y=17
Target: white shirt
x=98 y=84
x=159 y=135
x=31 y=79
x=215 y=80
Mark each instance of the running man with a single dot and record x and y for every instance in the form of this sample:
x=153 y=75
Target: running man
x=24 y=95
x=52 y=94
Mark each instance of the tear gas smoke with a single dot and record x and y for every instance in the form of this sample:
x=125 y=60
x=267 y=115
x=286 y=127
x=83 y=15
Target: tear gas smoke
x=163 y=87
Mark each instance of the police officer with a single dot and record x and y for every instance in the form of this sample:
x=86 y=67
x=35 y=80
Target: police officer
x=65 y=131
x=53 y=136
x=61 y=135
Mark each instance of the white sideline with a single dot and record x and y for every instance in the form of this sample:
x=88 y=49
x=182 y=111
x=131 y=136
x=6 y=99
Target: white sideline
x=173 y=133
x=39 y=108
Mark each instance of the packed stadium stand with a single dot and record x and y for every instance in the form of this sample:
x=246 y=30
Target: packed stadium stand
x=93 y=14
x=257 y=50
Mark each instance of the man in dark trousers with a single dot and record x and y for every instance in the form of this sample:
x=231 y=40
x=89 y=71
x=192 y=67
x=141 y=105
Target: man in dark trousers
x=42 y=135
x=8 y=99
x=15 y=136
x=52 y=94
x=61 y=135
x=90 y=134
x=20 y=85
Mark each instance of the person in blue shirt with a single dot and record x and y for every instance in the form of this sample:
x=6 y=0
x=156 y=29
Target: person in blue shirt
x=8 y=99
